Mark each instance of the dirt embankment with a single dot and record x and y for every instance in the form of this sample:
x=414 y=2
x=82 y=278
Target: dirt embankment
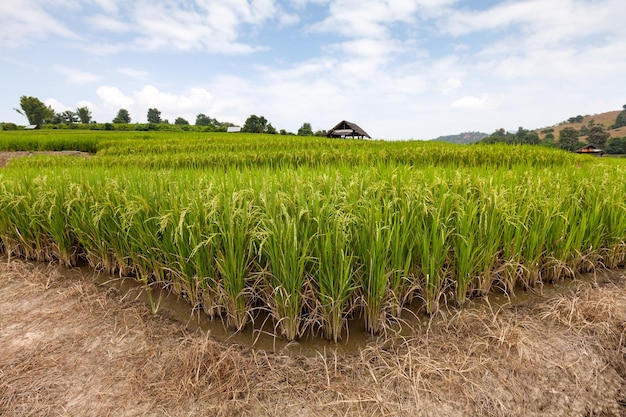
x=5 y=157
x=72 y=348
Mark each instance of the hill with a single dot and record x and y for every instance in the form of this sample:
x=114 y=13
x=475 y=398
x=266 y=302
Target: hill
x=606 y=119
x=462 y=138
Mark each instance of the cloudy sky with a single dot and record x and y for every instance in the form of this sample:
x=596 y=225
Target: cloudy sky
x=399 y=68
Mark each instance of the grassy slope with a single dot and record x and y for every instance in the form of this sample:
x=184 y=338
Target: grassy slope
x=606 y=119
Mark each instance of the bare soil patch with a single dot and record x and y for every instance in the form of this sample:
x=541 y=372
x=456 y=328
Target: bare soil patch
x=5 y=157
x=69 y=347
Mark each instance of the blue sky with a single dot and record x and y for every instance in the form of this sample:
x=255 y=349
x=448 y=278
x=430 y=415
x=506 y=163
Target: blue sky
x=401 y=69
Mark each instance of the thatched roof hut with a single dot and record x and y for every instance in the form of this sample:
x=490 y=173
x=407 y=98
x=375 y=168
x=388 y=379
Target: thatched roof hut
x=347 y=129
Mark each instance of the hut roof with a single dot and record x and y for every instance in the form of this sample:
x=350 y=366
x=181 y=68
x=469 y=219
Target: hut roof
x=589 y=149
x=345 y=128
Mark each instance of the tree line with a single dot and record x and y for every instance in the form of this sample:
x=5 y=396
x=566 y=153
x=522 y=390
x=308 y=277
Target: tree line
x=570 y=139
x=38 y=114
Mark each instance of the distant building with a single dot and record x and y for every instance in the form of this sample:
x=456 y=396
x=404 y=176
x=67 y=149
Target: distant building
x=347 y=130
x=590 y=150
x=233 y=129
x=31 y=127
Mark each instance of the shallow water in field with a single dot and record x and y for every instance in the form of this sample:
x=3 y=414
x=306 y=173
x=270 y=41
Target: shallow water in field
x=261 y=335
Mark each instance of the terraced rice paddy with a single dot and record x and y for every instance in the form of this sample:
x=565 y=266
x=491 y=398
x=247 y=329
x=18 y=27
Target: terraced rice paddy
x=313 y=231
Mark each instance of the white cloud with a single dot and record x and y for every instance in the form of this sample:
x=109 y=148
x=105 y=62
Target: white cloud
x=109 y=23
x=56 y=105
x=26 y=20
x=109 y=6
x=134 y=73
x=76 y=76
x=187 y=104
x=451 y=85
x=362 y=18
x=113 y=98
x=541 y=21
x=483 y=102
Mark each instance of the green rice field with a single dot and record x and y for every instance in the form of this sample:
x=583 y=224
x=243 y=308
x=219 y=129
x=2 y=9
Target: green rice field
x=312 y=230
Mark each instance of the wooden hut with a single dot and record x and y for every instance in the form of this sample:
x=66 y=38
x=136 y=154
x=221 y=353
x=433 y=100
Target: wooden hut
x=347 y=129
x=590 y=150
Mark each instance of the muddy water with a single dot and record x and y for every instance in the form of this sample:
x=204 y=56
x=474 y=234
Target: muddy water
x=262 y=335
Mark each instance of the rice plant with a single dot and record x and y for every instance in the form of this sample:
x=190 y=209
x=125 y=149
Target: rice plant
x=316 y=231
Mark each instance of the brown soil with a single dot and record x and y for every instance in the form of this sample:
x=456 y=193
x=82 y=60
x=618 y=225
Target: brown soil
x=69 y=348
x=5 y=157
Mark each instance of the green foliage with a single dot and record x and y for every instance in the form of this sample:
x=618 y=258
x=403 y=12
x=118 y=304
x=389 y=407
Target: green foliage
x=463 y=138
x=8 y=126
x=568 y=139
x=617 y=146
x=271 y=130
x=180 y=121
x=254 y=124
x=122 y=117
x=598 y=136
x=305 y=130
x=314 y=232
x=521 y=137
x=620 y=121
x=576 y=119
x=84 y=114
x=203 y=120
x=154 y=116
x=36 y=111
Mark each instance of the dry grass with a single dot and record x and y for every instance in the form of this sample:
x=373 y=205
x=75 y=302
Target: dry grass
x=606 y=119
x=5 y=157
x=72 y=348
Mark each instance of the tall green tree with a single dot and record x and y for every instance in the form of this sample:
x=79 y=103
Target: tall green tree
x=617 y=146
x=84 y=114
x=621 y=119
x=154 y=115
x=305 y=130
x=122 y=116
x=270 y=129
x=532 y=138
x=255 y=124
x=35 y=111
x=69 y=117
x=598 y=136
x=203 y=120
x=568 y=139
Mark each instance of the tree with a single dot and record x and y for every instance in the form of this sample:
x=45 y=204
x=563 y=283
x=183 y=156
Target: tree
x=69 y=117
x=203 y=120
x=621 y=119
x=180 y=121
x=270 y=129
x=598 y=136
x=122 y=116
x=617 y=146
x=499 y=136
x=35 y=111
x=254 y=124
x=532 y=138
x=154 y=115
x=568 y=139
x=84 y=114
x=520 y=136
x=305 y=130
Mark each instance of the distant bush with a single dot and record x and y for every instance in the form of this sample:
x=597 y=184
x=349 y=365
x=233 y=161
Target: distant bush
x=616 y=146
x=620 y=121
x=8 y=126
